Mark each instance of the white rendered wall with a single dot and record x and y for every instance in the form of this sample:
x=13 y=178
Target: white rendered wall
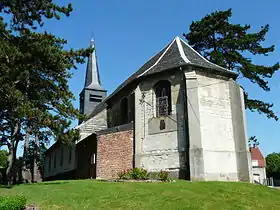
x=261 y=174
x=216 y=128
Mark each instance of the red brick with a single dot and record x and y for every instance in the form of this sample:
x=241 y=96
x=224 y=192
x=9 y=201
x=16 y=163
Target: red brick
x=114 y=153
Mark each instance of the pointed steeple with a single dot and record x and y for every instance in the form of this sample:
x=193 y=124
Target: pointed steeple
x=92 y=80
x=92 y=93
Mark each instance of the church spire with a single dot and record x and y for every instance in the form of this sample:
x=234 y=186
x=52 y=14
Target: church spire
x=92 y=93
x=92 y=80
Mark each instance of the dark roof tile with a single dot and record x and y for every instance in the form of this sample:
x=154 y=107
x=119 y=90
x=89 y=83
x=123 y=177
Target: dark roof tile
x=176 y=54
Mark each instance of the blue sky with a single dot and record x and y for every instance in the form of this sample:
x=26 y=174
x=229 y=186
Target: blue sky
x=127 y=33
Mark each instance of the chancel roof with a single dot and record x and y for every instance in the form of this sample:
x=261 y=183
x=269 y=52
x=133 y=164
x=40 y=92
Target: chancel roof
x=177 y=53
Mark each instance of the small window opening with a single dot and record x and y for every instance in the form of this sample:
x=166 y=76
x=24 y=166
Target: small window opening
x=93 y=158
x=163 y=98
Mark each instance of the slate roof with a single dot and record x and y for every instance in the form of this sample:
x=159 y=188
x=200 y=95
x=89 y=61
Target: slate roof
x=257 y=155
x=92 y=80
x=176 y=54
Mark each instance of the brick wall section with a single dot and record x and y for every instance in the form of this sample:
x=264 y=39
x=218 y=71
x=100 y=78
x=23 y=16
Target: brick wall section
x=114 y=153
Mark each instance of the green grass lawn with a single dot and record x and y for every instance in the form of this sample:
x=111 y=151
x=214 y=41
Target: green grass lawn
x=89 y=194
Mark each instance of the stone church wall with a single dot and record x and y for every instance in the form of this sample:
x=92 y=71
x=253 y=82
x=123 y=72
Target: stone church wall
x=158 y=149
x=116 y=117
x=117 y=113
x=114 y=151
x=59 y=160
x=243 y=156
x=218 y=148
x=216 y=128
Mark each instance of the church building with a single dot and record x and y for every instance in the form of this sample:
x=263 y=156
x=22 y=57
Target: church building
x=178 y=112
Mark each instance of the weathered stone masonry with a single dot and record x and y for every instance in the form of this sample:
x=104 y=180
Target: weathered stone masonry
x=188 y=118
x=114 y=151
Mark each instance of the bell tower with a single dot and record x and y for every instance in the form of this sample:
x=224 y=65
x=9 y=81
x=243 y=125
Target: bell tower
x=93 y=93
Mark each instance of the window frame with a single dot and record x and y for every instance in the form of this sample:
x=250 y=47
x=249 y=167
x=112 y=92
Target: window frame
x=162 y=90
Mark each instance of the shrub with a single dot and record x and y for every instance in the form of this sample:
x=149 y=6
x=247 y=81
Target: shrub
x=163 y=175
x=142 y=174
x=153 y=175
x=124 y=174
x=139 y=174
x=12 y=202
x=135 y=173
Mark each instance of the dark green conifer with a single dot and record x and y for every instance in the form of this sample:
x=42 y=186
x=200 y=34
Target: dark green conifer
x=231 y=46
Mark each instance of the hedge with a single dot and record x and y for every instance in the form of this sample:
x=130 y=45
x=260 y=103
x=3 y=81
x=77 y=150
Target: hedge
x=12 y=202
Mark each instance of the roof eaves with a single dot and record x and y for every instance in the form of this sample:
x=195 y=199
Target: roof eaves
x=134 y=77
x=219 y=67
x=52 y=147
x=227 y=73
x=82 y=139
x=143 y=73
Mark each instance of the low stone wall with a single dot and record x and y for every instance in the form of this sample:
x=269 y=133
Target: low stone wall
x=114 y=151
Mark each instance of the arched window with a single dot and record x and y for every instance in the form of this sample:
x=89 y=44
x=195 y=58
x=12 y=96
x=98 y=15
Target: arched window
x=163 y=98
x=124 y=111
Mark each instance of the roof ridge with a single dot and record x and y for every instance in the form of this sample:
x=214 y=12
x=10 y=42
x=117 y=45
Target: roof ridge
x=201 y=55
x=158 y=59
x=183 y=53
x=181 y=50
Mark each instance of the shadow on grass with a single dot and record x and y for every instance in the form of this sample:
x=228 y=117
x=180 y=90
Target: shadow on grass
x=38 y=183
x=52 y=183
x=6 y=186
x=3 y=186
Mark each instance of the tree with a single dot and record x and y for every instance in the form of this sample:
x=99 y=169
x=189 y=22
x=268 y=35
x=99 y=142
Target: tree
x=253 y=141
x=3 y=164
x=273 y=165
x=3 y=158
x=34 y=158
x=228 y=45
x=35 y=98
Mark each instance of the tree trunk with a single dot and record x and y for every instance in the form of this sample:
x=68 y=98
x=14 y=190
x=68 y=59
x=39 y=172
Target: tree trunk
x=10 y=165
x=12 y=154
x=15 y=168
x=26 y=142
x=35 y=170
x=26 y=174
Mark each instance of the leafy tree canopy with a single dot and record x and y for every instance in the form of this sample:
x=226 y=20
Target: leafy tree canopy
x=228 y=45
x=34 y=71
x=3 y=158
x=253 y=141
x=273 y=164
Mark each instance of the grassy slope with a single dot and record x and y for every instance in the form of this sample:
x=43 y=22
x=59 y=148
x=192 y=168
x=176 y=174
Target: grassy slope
x=88 y=194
